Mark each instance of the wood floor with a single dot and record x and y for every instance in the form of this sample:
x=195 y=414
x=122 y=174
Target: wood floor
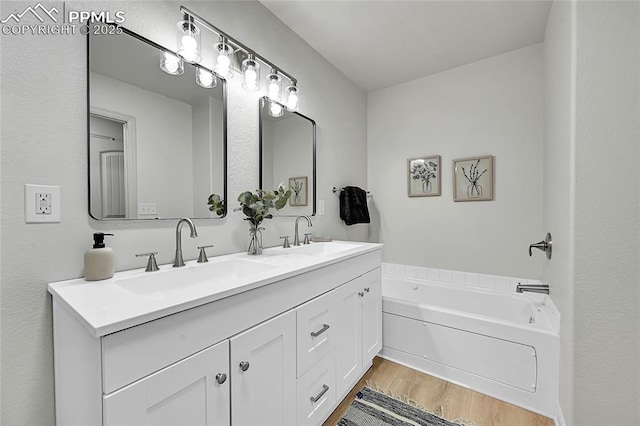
x=443 y=398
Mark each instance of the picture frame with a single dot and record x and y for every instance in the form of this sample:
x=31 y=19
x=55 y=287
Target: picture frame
x=299 y=191
x=423 y=176
x=473 y=178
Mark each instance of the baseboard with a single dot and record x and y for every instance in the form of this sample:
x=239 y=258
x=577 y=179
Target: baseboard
x=559 y=418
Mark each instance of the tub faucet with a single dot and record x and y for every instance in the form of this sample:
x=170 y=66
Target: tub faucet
x=178 y=260
x=296 y=238
x=533 y=288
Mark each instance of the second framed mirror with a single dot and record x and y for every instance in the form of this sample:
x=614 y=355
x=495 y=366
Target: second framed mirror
x=288 y=156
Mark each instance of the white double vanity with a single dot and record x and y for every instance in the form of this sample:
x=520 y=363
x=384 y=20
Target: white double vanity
x=276 y=339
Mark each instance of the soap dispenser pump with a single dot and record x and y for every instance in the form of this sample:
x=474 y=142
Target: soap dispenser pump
x=98 y=262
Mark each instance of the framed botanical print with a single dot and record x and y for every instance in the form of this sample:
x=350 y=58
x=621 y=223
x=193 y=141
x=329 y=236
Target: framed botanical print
x=423 y=176
x=298 y=187
x=473 y=179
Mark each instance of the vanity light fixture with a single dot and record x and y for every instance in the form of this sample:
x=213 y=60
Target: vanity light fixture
x=247 y=62
x=224 y=58
x=292 y=97
x=273 y=85
x=251 y=72
x=188 y=38
x=205 y=78
x=170 y=63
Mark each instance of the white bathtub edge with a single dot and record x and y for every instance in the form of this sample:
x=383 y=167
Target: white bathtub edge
x=559 y=418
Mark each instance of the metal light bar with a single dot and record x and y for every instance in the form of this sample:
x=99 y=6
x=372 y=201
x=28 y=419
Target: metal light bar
x=235 y=42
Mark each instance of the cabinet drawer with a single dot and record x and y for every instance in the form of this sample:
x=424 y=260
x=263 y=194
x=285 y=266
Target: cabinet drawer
x=315 y=331
x=317 y=392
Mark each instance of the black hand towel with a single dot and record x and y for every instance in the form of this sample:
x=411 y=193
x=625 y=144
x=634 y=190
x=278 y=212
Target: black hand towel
x=353 y=205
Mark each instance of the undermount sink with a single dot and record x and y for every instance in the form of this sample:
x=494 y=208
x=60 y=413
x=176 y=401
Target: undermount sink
x=193 y=275
x=323 y=249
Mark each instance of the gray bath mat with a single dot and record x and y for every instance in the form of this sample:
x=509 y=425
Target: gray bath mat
x=371 y=408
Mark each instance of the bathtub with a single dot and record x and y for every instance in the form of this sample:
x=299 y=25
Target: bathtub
x=501 y=344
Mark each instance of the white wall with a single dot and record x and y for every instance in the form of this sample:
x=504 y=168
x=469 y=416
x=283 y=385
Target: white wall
x=592 y=205
x=162 y=124
x=607 y=216
x=492 y=107
x=43 y=140
x=559 y=178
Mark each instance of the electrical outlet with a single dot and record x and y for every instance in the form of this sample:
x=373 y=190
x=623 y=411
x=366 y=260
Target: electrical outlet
x=147 y=208
x=41 y=203
x=320 y=207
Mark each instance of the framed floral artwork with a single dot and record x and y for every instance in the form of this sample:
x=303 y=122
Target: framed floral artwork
x=298 y=187
x=423 y=176
x=473 y=179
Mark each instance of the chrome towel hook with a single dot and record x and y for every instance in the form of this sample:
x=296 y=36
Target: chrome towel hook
x=545 y=246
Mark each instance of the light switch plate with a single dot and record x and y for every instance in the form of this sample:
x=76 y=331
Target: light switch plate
x=41 y=203
x=320 y=207
x=147 y=208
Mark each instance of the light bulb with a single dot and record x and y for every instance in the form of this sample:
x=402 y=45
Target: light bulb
x=292 y=100
x=275 y=110
x=171 y=62
x=224 y=61
x=274 y=90
x=189 y=48
x=205 y=79
x=250 y=76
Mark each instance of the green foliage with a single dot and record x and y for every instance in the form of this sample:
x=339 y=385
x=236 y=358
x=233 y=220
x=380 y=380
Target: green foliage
x=254 y=205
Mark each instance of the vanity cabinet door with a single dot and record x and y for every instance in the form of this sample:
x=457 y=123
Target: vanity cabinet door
x=357 y=313
x=371 y=316
x=347 y=313
x=263 y=373
x=188 y=392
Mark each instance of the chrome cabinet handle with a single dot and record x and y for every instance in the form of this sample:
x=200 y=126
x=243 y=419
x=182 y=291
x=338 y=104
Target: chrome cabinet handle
x=361 y=293
x=244 y=365
x=324 y=328
x=221 y=378
x=367 y=289
x=324 y=390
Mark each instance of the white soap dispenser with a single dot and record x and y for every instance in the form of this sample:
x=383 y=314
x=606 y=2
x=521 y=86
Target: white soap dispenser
x=98 y=262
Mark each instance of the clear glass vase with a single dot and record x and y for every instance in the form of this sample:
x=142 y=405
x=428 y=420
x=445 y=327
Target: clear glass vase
x=255 y=240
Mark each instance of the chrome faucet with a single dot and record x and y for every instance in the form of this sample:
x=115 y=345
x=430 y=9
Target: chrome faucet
x=296 y=239
x=178 y=260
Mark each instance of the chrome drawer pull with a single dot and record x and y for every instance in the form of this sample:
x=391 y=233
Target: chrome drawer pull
x=244 y=365
x=221 y=378
x=324 y=328
x=324 y=390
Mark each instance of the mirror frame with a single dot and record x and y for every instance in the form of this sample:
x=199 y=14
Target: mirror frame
x=221 y=80
x=261 y=106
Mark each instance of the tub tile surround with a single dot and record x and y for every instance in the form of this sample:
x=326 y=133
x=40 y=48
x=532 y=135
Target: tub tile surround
x=497 y=283
x=469 y=279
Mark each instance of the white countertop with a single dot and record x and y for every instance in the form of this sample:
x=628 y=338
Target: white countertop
x=133 y=297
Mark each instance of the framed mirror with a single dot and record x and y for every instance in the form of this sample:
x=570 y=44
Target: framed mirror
x=157 y=141
x=288 y=156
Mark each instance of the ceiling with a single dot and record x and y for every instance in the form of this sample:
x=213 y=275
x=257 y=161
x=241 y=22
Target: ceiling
x=379 y=44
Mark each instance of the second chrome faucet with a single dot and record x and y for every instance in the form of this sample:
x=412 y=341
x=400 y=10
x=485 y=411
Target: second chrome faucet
x=296 y=238
x=179 y=261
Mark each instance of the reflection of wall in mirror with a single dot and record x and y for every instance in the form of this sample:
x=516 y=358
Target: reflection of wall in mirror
x=291 y=154
x=207 y=146
x=161 y=149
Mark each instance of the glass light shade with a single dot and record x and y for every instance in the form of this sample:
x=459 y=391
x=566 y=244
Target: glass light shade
x=171 y=64
x=206 y=79
x=292 y=97
x=251 y=73
x=275 y=109
x=224 y=59
x=273 y=86
x=188 y=41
